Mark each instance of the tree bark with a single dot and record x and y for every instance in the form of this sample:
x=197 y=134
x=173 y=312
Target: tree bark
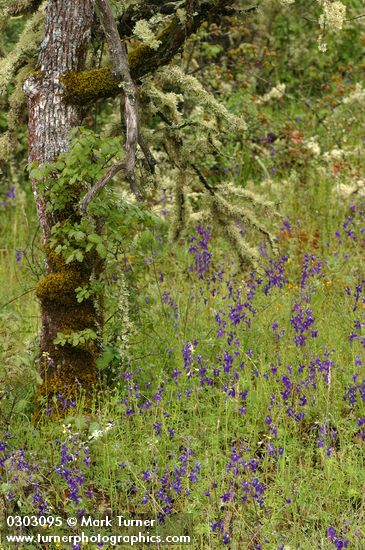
x=63 y=49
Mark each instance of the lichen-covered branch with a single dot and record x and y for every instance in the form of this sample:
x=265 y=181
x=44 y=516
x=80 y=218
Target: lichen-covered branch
x=150 y=159
x=99 y=83
x=23 y=7
x=25 y=49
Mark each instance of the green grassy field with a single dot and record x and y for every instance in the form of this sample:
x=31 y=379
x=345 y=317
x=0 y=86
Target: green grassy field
x=240 y=412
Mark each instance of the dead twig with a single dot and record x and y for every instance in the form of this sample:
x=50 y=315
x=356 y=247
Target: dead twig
x=120 y=65
x=114 y=169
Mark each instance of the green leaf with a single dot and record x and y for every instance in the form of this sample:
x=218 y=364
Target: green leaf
x=101 y=250
x=36 y=174
x=80 y=423
x=79 y=235
x=94 y=238
x=106 y=358
x=79 y=255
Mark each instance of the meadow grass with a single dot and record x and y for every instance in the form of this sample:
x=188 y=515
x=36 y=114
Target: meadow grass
x=239 y=417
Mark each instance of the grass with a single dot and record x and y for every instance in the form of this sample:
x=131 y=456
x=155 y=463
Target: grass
x=218 y=421
x=251 y=444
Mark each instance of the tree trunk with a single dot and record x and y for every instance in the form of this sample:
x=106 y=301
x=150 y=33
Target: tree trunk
x=66 y=368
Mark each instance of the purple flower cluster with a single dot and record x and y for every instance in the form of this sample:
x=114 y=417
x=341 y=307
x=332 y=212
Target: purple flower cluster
x=357 y=293
x=74 y=459
x=172 y=484
x=312 y=267
x=352 y=232
x=302 y=320
x=354 y=391
x=168 y=300
x=338 y=542
x=275 y=274
x=355 y=334
x=199 y=248
x=277 y=333
x=8 y=195
x=20 y=474
x=242 y=480
x=242 y=486
x=327 y=438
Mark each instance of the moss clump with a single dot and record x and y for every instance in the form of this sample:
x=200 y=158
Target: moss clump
x=56 y=262
x=74 y=377
x=88 y=85
x=76 y=318
x=100 y=83
x=59 y=287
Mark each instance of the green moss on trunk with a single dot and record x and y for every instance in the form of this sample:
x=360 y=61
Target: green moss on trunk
x=66 y=370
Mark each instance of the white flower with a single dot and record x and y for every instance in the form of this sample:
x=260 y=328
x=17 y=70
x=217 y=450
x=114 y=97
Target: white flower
x=313 y=146
x=331 y=19
x=335 y=154
x=99 y=433
x=333 y=15
x=322 y=46
x=358 y=95
x=345 y=191
x=275 y=93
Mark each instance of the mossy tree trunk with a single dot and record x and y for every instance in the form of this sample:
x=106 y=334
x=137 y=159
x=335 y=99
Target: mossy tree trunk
x=55 y=96
x=66 y=35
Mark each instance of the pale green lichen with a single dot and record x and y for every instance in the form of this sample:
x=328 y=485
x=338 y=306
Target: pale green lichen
x=230 y=216
x=245 y=215
x=192 y=88
x=246 y=254
x=25 y=48
x=4 y=12
x=6 y=146
x=144 y=32
x=164 y=100
x=232 y=190
x=182 y=15
x=17 y=103
x=9 y=8
x=125 y=326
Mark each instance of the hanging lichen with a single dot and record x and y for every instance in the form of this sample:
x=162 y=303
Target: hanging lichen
x=192 y=88
x=25 y=49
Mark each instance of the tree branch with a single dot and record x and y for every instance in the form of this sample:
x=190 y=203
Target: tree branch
x=122 y=74
x=144 y=10
x=149 y=8
x=95 y=84
x=203 y=180
x=95 y=190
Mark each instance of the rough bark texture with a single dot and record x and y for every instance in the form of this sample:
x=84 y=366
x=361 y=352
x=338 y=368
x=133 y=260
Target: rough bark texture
x=63 y=49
